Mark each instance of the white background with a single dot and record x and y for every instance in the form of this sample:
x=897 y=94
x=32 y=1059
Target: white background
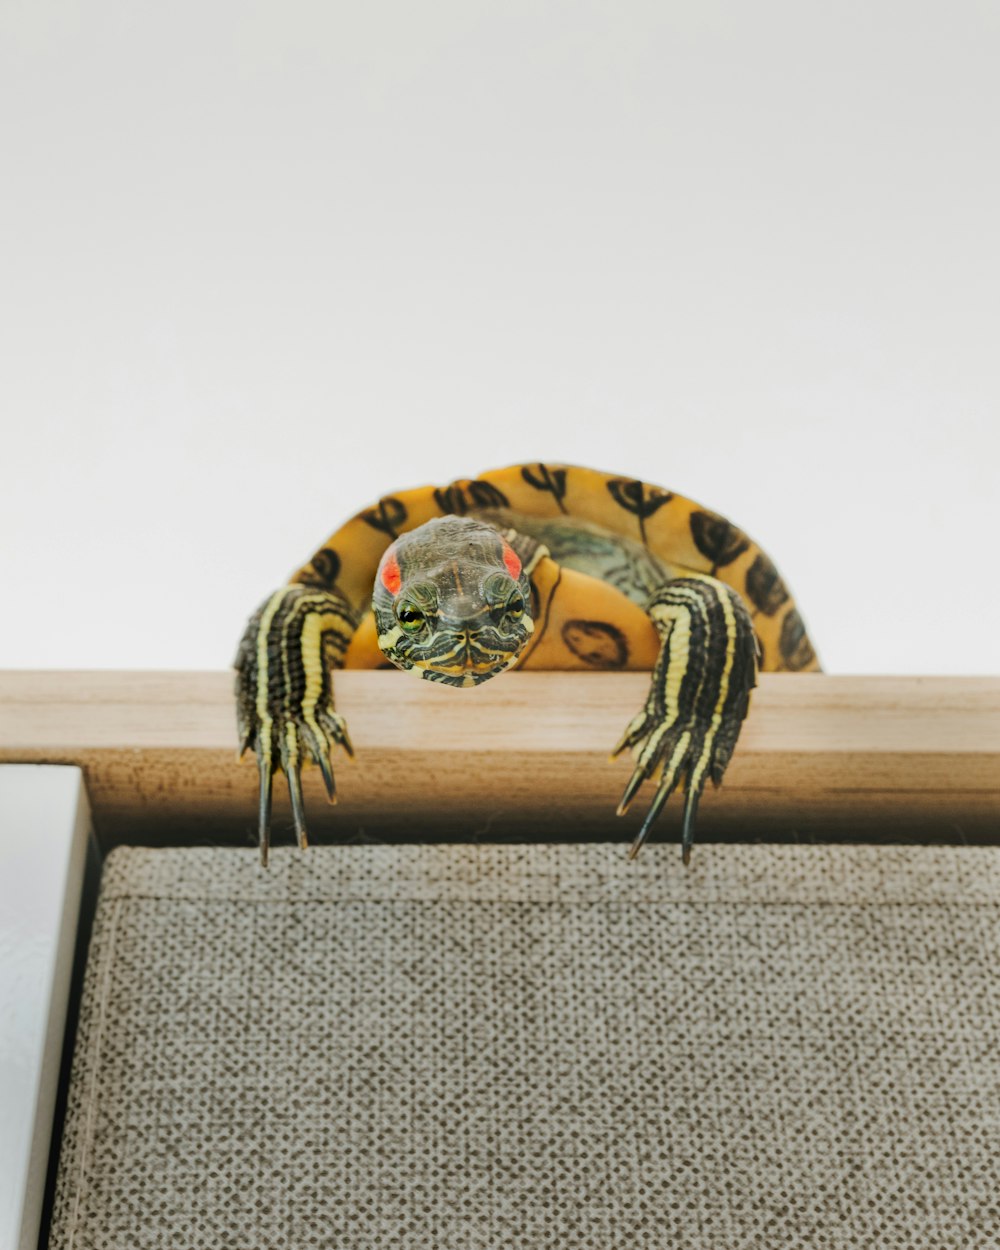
x=262 y=262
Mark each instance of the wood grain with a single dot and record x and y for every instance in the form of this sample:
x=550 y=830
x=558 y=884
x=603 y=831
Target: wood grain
x=820 y=756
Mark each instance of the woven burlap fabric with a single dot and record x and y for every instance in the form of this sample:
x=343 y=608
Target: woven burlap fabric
x=455 y=1047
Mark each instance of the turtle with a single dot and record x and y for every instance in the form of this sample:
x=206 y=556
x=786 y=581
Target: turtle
x=534 y=566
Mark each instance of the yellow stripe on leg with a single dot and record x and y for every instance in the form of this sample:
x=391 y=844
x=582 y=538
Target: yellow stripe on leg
x=312 y=663
x=676 y=624
x=696 y=774
x=670 y=772
x=263 y=715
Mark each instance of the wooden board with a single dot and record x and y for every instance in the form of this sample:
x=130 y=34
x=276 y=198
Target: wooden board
x=820 y=756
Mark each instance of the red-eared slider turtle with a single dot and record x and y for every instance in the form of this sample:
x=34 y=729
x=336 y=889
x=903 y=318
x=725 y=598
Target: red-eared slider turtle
x=540 y=566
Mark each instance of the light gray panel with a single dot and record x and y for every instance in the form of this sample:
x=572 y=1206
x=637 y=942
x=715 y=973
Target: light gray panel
x=539 y=1046
x=44 y=823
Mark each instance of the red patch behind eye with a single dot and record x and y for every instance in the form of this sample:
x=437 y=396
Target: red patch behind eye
x=389 y=572
x=511 y=561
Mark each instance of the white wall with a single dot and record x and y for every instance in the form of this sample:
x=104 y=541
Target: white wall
x=261 y=262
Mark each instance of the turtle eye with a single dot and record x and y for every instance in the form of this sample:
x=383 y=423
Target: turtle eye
x=410 y=617
x=515 y=606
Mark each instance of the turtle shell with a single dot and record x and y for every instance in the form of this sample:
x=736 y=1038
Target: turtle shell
x=606 y=541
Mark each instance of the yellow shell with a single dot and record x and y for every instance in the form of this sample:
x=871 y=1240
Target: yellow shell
x=581 y=622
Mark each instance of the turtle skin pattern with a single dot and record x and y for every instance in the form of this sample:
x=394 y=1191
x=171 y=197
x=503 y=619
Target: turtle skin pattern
x=698 y=697
x=623 y=574
x=284 y=693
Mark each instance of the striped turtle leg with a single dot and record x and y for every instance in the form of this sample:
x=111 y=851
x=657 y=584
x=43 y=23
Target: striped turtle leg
x=698 y=697
x=284 y=692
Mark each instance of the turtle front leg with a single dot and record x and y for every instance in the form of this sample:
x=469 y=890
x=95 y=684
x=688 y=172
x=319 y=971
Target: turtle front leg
x=697 y=700
x=284 y=692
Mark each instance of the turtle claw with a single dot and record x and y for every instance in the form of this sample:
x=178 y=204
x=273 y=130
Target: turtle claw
x=687 y=830
x=264 y=811
x=284 y=696
x=635 y=731
x=659 y=799
x=698 y=698
x=323 y=760
x=290 y=744
x=631 y=790
x=683 y=755
x=339 y=733
x=294 y=774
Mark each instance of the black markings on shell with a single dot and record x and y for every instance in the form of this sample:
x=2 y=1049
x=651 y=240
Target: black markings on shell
x=796 y=649
x=638 y=498
x=486 y=495
x=717 y=539
x=549 y=481
x=449 y=500
x=596 y=643
x=323 y=570
x=458 y=499
x=387 y=516
x=765 y=589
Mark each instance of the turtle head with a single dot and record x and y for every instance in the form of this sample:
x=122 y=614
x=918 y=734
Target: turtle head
x=452 y=602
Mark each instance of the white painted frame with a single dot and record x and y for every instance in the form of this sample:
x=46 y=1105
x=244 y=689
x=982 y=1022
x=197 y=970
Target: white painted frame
x=44 y=830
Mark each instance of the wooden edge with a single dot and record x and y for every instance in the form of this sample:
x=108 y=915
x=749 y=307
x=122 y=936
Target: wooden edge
x=820 y=756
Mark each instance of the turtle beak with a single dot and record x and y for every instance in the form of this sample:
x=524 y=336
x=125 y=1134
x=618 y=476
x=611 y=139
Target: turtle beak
x=469 y=662
x=468 y=659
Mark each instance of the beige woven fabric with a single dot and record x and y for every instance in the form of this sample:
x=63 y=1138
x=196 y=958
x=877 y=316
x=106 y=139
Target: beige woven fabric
x=465 y=1047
